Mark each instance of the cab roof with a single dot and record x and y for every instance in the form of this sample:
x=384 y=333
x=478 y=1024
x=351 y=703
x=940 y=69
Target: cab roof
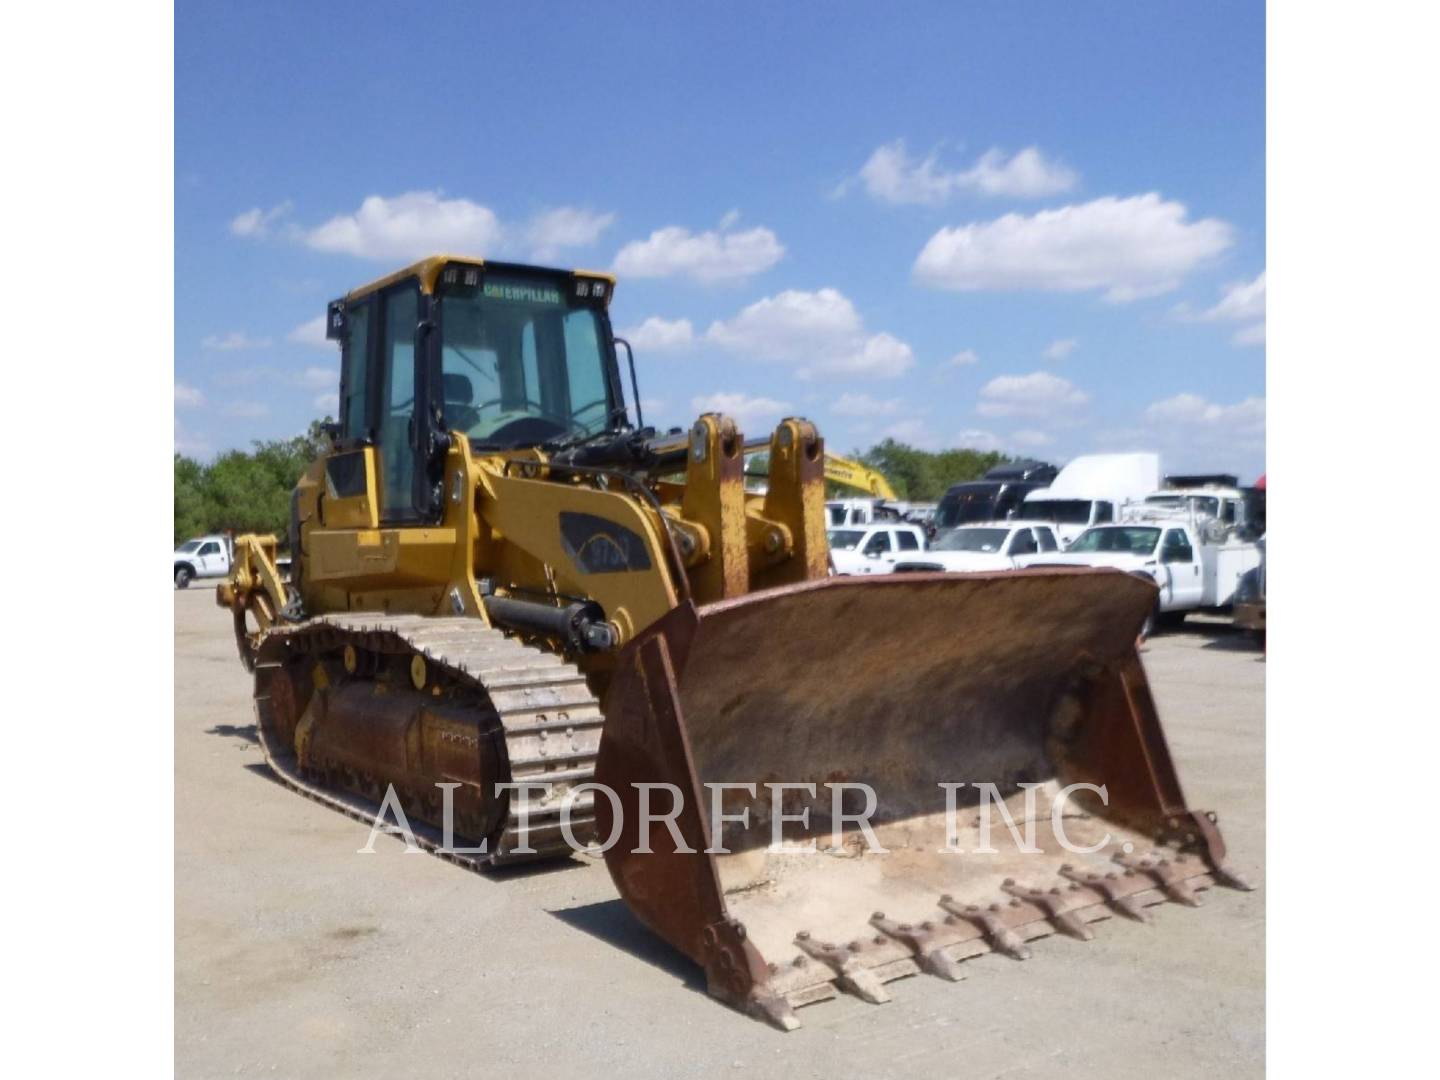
x=427 y=270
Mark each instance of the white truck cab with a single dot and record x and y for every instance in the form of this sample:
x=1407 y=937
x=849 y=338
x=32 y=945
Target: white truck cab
x=1191 y=570
x=203 y=556
x=999 y=545
x=868 y=549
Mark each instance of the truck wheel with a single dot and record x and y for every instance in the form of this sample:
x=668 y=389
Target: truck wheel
x=183 y=576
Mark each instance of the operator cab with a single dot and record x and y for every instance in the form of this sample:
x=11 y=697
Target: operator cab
x=506 y=356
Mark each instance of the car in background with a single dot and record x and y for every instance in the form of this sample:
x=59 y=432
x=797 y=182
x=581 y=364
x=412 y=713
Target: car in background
x=869 y=549
x=203 y=556
x=1001 y=545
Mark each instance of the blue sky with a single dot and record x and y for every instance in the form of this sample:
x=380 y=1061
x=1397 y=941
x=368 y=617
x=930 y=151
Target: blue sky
x=1037 y=227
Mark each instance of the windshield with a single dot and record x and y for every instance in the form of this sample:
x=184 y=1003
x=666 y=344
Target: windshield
x=845 y=539
x=1060 y=511
x=522 y=361
x=966 y=503
x=986 y=540
x=1203 y=505
x=187 y=547
x=1135 y=541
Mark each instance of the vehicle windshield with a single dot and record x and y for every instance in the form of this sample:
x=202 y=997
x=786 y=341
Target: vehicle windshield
x=187 y=547
x=967 y=503
x=523 y=361
x=1203 y=505
x=1134 y=541
x=1060 y=511
x=845 y=539
x=986 y=540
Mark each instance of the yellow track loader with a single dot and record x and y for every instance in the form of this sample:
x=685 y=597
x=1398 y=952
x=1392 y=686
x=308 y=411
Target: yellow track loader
x=525 y=621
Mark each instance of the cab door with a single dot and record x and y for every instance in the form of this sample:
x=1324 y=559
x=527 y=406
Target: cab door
x=1182 y=566
x=399 y=406
x=1022 y=544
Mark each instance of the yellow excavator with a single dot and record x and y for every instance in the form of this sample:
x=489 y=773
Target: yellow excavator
x=858 y=477
x=522 y=621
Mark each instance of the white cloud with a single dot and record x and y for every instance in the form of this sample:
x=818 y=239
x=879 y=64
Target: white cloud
x=751 y=413
x=188 y=443
x=865 y=405
x=329 y=403
x=1037 y=394
x=963 y=358
x=318 y=377
x=311 y=332
x=1198 y=433
x=1061 y=348
x=1249 y=335
x=418 y=223
x=565 y=227
x=1129 y=247
x=820 y=332
x=1030 y=439
x=1240 y=301
x=246 y=409
x=188 y=397
x=234 y=341
x=409 y=226
x=708 y=257
x=974 y=439
x=658 y=335
x=1192 y=410
x=256 y=222
x=892 y=176
x=914 y=432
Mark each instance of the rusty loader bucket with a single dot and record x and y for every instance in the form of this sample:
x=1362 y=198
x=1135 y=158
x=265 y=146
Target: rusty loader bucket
x=952 y=765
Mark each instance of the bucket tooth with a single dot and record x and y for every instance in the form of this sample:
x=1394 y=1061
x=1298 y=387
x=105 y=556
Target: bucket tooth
x=1165 y=873
x=1110 y=887
x=1060 y=907
x=926 y=941
x=774 y=1010
x=991 y=922
x=850 y=974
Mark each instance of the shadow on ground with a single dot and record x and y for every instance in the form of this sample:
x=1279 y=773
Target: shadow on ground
x=235 y=731
x=614 y=924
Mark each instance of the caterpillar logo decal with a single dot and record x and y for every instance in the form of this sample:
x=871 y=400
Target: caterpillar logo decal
x=600 y=546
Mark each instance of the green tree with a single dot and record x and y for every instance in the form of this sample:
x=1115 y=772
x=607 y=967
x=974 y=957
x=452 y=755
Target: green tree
x=923 y=476
x=244 y=491
x=190 y=511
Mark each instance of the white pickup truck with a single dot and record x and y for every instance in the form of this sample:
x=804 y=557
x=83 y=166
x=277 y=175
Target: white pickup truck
x=204 y=556
x=1002 y=545
x=867 y=549
x=1191 y=571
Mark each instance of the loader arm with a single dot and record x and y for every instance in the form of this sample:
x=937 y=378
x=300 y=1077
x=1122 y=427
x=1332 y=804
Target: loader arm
x=254 y=592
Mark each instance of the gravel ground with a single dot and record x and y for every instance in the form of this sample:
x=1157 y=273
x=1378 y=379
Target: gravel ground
x=296 y=957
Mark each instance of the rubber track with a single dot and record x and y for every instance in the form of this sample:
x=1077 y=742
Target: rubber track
x=550 y=721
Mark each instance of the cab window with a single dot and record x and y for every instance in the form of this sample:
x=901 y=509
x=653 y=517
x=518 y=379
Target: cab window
x=907 y=541
x=355 y=375
x=1047 y=538
x=878 y=544
x=1176 y=548
x=397 y=405
x=1022 y=543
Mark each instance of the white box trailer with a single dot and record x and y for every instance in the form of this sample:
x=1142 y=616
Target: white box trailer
x=1090 y=491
